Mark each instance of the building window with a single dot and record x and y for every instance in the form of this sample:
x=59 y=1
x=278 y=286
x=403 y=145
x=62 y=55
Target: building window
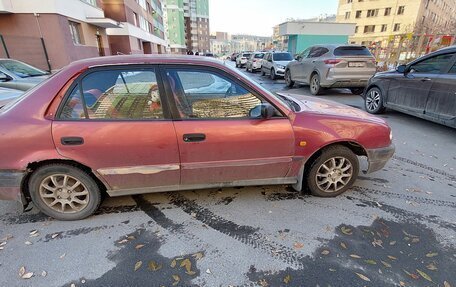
x=372 y=13
x=75 y=30
x=384 y=27
x=91 y=2
x=397 y=27
x=135 y=19
x=400 y=10
x=144 y=24
x=356 y=29
x=369 y=29
x=349 y=1
x=358 y=13
x=142 y=3
x=387 y=11
x=347 y=15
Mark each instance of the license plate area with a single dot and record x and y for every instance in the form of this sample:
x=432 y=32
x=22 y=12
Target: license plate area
x=357 y=64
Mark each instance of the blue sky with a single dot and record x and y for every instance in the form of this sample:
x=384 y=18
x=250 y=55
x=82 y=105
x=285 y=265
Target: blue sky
x=257 y=17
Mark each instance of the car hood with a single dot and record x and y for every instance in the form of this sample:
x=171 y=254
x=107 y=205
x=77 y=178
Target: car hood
x=331 y=108
x=283 y=63
x=7 y=95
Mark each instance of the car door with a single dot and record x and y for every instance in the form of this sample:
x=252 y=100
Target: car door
x=114 y=120
x=218 y=142
x=308 y=64
x=409 y=91
x=267 y=63
x=441 y=102
x=297 y=67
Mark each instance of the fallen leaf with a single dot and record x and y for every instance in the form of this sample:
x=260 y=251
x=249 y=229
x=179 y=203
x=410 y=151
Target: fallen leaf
x=62 y=256
x=208 y=271
x=173 y=263
x=355 y=256
x=346 y=230
x=298 y=245
x=431 y=254
x=55 y=235
x=28 y=243
x=27 y=275
x=44 y=273
x=138 y=265
x=154 y=266
x=187 y=264
x=131 y=237
x=424 y=275
x=139 y=246
x=198 y=255
x=386 y=264
x=176 y=280
x=123 y=241
x=263 y=283
x=33 y=232
x=364 y=277
x=392 y=257
x=332 y=270
x=431 y=266
x=325 y=252
x=371 y=262
x=402 y=283
x=3 y=243
x=21 y=271
x=377 y=242
x=413 y=276
x=446 y=284
x=7 y=237
x=287 y=279
x=343 y=245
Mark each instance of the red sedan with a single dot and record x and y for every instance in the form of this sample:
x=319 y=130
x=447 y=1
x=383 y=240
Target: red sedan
x=128 y=125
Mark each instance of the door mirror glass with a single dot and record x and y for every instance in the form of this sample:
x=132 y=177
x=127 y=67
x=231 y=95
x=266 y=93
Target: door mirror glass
x=262 y=111
x=401 y=69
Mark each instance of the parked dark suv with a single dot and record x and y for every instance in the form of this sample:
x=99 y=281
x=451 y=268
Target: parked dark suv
x=425 y=88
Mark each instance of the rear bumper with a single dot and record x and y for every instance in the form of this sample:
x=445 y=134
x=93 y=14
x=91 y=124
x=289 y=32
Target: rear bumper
x=378 y=158
x=10 y=185
x=345 y=83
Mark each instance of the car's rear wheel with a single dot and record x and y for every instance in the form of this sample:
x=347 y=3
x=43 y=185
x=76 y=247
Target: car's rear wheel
x=357 y=91
x=273 y=74
x=262 y=72
x=315 y=87
x=64 y=192
x=290 y=83
x=373 y=101
x=333 y=172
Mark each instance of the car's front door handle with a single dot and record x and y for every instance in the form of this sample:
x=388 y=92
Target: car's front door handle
x=72 y=141
x=194 y=138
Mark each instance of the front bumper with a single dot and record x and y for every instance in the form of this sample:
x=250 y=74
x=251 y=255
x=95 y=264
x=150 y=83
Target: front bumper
x=10 y=185
x=378 y=158
x=280 y=72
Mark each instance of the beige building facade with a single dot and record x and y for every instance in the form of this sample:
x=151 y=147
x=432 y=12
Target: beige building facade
x=400 y=30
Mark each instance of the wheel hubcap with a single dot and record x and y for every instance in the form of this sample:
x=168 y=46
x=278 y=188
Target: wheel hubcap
x=334 y=174
x=372 y=100
x=64 y=193
x=314 y=85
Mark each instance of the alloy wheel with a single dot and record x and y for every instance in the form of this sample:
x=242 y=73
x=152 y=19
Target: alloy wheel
x=334 y=174
x=372 y=100
x=315 y=84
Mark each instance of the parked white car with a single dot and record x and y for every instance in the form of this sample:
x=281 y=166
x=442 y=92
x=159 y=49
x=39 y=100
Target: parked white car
x=254 y=62
x=8 y=95
x=242 y=58
x=274 y=63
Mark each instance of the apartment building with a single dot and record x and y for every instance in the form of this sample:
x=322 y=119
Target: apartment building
x=52 y=33
x=399 y=30
x=175 y=26
x=142 y=30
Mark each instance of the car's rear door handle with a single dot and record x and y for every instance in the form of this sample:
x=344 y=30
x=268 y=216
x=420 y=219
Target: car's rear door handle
x=426 y=79
x=194 y=138
x=72 y=141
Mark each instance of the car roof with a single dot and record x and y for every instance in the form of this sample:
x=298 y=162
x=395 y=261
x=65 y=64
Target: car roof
x=335 y=46
x=446 y=49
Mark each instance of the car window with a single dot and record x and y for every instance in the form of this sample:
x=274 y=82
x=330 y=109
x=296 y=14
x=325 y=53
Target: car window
x=282 y=57
x=432 y=65
x=452 y=70
x=115 y=94
x=352 y=51
x=201 y=94
x=258 y=56
x=21 y=69
x=305 y=53
x=322 y=51
x=313 y=52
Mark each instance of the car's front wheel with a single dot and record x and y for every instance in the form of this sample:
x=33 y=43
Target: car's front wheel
x=273 y=74
x=290 y=83
x=333 y=172
x=373 y=101
x=64 y=192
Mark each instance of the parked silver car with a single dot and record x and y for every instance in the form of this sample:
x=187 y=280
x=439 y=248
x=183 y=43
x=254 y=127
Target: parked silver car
x=242 y=58
x=8 y=95
x=254 y=62
x=332 y=66
x=18 y=75
x=274 y=63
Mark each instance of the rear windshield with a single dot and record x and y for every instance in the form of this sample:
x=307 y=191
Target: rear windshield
x=259 y=56
x=246 y=55
x=352 y=51
x=282 y=57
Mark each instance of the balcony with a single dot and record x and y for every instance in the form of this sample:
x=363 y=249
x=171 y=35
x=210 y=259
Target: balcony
x=6 y=6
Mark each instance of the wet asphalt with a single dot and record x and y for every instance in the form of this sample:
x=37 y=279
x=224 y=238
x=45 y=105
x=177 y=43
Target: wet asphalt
x=395 y=227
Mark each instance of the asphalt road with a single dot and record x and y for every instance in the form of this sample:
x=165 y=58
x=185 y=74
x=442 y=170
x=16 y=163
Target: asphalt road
x=396 y=227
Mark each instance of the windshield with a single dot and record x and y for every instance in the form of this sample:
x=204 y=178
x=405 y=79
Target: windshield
x=282 y=57
x=246 y=55
x=352 y=51
x=21 y=69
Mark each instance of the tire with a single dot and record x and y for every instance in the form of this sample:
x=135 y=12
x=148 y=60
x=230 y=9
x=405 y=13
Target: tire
x=357 y=91
x=273 y=75
x=373 y=101
x=262 y=72
x=57 y=195
x=237 y=66
x=288 y=80
x=315 y=88
x=336 y=183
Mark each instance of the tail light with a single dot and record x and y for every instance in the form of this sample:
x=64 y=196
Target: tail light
x=332 y=61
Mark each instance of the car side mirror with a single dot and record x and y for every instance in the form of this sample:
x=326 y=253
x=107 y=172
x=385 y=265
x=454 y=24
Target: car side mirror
x=263 y=111
x=401 y=69
x=298 y=58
